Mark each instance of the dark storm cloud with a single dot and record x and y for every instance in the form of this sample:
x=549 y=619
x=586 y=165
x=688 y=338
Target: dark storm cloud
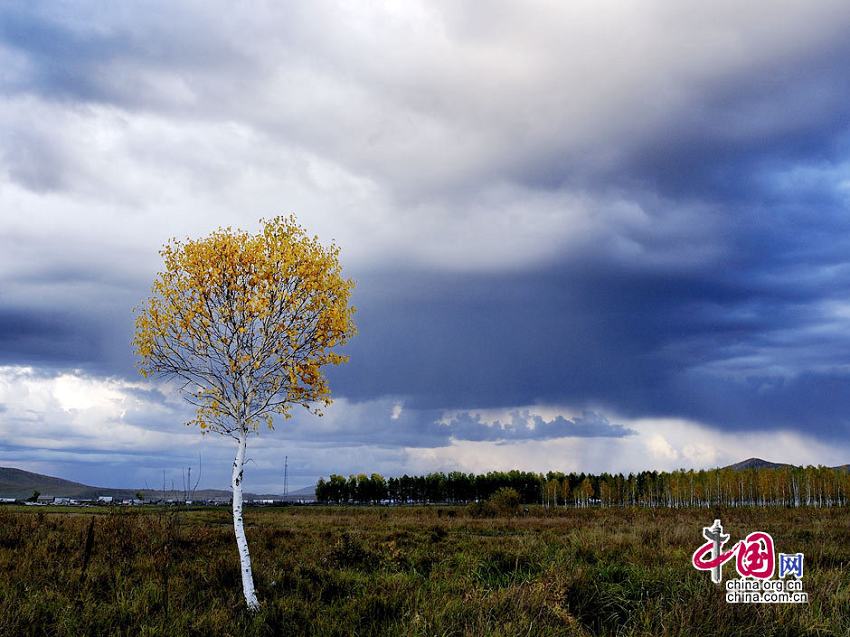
x=725 y=347
x=527 y=426
x=716 y=289
x=71 y=321
x=52 y=338
x=749 y=127
x=75 y=53
x=542 y=335
x=375 y=423
x=64 y=61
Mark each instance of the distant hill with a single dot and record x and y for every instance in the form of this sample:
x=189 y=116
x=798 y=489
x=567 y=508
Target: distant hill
x=17 y=483
x=300 y=493
x=756 y=463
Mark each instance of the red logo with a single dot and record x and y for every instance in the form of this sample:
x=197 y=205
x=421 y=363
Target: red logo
x=755 y=554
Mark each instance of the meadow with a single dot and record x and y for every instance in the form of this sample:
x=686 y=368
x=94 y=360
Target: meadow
x=428 y=570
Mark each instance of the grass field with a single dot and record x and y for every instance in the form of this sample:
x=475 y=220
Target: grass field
x=414 y=571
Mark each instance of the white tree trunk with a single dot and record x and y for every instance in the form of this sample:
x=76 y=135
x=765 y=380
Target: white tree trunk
x=238 y=526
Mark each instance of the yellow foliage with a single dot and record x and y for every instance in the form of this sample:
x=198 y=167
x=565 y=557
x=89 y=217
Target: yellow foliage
x=247 y=321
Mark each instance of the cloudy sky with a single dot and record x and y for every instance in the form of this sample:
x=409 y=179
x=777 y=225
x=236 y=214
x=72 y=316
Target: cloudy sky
x=586 y=236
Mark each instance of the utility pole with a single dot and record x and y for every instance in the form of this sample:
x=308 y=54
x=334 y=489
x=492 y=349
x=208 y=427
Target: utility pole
x=285 y=475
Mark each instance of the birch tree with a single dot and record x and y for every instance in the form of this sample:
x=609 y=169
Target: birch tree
x=245 y=324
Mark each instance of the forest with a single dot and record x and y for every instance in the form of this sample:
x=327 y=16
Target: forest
x=785 y=487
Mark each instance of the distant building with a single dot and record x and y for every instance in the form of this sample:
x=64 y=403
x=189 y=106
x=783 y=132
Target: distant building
x=104 y=499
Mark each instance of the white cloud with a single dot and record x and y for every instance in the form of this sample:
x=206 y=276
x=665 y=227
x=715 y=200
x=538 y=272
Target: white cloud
x=660 y=444
x=111 y=432
x=660 y=449
x=75 y=393
x=434 y=133
x=74 y=411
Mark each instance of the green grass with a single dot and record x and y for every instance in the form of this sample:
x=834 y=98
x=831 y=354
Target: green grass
x=415 y=571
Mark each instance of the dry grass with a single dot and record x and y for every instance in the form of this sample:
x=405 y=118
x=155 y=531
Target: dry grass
x=417 y=571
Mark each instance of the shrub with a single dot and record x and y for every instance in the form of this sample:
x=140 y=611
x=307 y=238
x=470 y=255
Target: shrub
x=505 y=501
x=350 y=552
x=480 y=510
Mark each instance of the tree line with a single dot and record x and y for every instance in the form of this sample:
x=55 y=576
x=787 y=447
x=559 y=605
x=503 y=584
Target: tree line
x=785 y=486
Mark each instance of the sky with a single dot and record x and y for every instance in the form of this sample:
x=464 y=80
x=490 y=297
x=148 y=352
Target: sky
x=586 y=236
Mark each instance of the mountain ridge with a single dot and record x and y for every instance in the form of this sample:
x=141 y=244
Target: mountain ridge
x=758 y=463
x=18 y=483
